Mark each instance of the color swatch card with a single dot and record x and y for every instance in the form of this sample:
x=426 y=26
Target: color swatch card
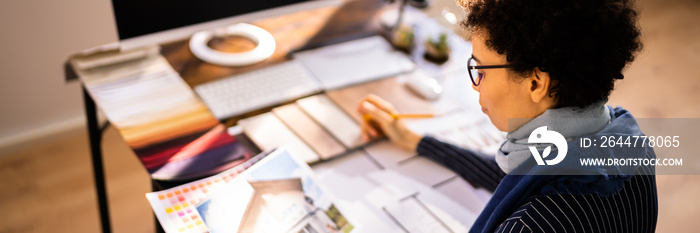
x=339 y=124
x=144 y=96
x=175 y=207
x=159 y=116
x=268 y=132
x=324 y=144
x=155 y=156
x=148 y=102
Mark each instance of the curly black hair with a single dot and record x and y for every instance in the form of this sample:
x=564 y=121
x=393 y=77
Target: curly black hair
x=583 y=44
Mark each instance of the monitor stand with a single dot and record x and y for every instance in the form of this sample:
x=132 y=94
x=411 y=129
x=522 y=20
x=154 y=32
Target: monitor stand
x=264 y=49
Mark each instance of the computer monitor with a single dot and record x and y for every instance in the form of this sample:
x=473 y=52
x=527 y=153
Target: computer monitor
x=143 y=23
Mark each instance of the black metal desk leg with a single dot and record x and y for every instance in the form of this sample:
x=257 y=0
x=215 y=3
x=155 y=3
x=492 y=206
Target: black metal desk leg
x=95 y=138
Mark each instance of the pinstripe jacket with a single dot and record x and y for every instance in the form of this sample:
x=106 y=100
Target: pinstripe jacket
x=631 y=206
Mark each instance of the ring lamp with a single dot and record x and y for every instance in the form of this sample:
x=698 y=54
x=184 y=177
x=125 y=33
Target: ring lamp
x=264 y=49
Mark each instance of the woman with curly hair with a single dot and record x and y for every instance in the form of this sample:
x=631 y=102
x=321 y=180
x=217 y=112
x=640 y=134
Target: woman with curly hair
x=546 y=63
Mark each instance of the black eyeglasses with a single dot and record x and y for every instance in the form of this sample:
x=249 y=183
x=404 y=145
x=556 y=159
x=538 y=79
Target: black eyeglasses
x=473 y=69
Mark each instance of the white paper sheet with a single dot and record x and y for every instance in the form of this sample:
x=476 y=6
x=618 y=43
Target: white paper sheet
x=424 y=170
x=387 y=154
x=414 y=217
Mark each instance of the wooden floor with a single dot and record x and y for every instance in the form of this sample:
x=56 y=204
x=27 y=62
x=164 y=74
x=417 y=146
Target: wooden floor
x=49 y=187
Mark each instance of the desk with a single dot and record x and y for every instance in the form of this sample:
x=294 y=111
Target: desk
x=297 y=30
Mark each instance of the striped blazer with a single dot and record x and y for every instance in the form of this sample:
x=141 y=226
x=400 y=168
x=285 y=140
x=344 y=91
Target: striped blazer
x=633 y=208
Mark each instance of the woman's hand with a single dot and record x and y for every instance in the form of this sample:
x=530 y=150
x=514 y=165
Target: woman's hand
x=378 y=118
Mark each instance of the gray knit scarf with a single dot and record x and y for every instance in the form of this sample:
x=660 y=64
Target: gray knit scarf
x=570 y=122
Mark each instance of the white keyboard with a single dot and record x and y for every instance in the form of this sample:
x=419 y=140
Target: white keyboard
x=258 y=89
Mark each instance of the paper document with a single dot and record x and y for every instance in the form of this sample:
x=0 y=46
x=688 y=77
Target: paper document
x=414 y=217
x=407 y=197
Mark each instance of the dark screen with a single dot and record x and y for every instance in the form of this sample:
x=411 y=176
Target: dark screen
x=140 y=17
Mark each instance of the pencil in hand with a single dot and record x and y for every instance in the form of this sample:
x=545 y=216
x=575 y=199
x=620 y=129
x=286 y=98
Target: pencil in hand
x=397 y=116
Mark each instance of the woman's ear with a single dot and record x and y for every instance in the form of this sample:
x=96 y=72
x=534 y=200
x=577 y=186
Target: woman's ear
x=539 y=87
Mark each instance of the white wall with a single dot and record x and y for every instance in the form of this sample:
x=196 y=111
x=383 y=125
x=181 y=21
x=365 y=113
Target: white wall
x=35 y=38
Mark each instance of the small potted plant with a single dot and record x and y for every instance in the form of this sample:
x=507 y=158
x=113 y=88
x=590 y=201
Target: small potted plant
x=402 y=38
x=437 y=51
